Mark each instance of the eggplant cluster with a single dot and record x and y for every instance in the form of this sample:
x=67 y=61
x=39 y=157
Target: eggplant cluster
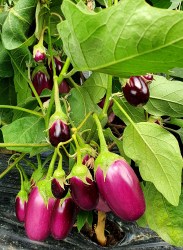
x=41 y=218
x=116 y=189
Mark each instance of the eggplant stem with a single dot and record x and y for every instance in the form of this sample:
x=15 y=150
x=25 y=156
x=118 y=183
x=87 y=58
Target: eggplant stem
x=100 y=228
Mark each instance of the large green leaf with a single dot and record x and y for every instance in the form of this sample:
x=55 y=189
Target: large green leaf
x=6 y=69
x=96 y=86
x=16 y=26
x=130 y=38
x=30 y=129
x=19 y=58
x=166 y=98
x=80 y=105
x=157 y=153
x=84 y=99
x=162 y=217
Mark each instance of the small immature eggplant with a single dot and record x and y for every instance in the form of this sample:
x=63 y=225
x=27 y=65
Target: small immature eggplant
x=41 y=81
x=39 y=56
x=63 y=218
x=20 y=205
x=38 y=216
x=64 y=87
x=136 y=91
x=58 y=191
x=120 y=187
x=58 y=132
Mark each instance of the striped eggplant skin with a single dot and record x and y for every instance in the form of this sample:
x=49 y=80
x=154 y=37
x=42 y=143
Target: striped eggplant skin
x=86 y=196
x=59 y=132
x=121 y=189
x=38 y=216
x=63 y=218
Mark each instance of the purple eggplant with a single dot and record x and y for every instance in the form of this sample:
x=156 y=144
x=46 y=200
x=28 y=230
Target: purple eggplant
x=39 y=56
x=38 y=216
x=86 y=196
x=20 y=208
x=64 y=87
x=121 y=189
x=136 y=91
x=58 y=191
x=63 y=218
x=58 y=132
x=41 y=81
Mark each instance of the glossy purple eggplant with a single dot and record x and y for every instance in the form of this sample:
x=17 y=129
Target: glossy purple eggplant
x=20 y=209
x=86 y=196
x=41 y=81
x=58 y=191
x=121 y=190
x=39 y=56
x=38 y=216
x=58 y=132
x=64 y=87
x=63 y=218
x=136 y=91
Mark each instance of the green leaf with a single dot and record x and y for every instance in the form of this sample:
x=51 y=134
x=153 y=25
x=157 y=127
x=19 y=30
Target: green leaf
x=84 y=217
x=81 y=104
x=161 y=4
x=16 y=26
x=157 y=153
x=96 y=86
x=130 y=38
x=136 y=113
x=6 y=69
x=30 y=129
x=166 y=98
x=165 y=219
x=30 y=103
x=180 y=132
x=176 y=72
x=20 y=57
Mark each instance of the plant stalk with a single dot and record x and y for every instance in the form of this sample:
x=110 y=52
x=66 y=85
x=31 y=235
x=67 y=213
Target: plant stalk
x=52 y=165
x=12 y=165
x=21 y=109
x=103 y=145
x=100 y=228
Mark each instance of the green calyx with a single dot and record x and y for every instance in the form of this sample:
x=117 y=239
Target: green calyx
x=44 y=187
x=84 y=147
x=81 y=171
x=105 y=160
x=59 y=173
x=40 y=68
x=58 y=115
x=37 y=175
x=23 y=195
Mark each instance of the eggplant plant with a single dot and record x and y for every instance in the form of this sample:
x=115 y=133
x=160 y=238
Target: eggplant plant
x=97 y=89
